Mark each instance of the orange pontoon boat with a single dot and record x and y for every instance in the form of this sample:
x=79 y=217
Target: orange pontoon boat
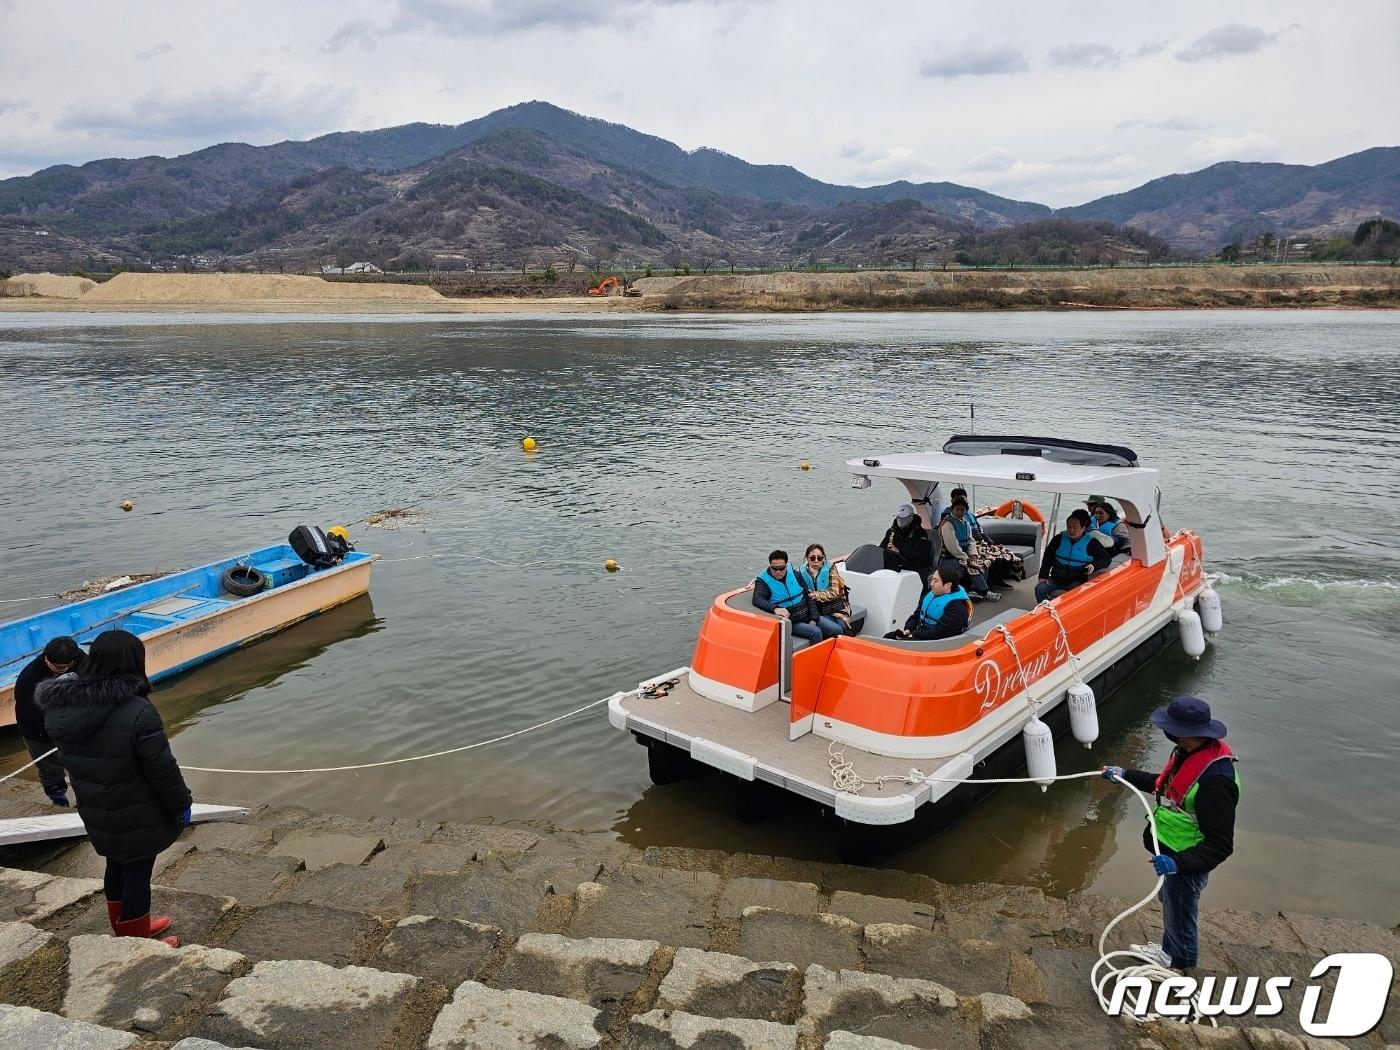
x=874 y=729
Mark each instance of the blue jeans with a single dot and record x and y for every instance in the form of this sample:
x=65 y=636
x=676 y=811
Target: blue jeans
x=831 y=627
x=809 y=631
x=1180 y=894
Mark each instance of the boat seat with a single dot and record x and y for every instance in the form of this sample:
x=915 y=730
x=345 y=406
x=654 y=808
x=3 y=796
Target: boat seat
x=866 y=558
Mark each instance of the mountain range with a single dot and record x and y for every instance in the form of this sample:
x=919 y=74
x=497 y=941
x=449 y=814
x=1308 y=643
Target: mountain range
x=534 y=183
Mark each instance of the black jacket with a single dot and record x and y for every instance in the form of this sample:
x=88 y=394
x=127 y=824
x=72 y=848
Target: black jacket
x=952 y=623
x=915 y=547
x=1049 y=566
x=29 y=720
x=1217 y=795
x=112 y=742
x=763 y=599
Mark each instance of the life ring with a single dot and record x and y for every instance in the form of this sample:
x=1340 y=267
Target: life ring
x=1030 y=509
x=243 y=581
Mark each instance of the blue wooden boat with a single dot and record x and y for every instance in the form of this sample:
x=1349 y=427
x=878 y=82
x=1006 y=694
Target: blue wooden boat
x=189 y=617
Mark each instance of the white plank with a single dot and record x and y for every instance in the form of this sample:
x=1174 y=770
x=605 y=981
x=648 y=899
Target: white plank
x=70 y=825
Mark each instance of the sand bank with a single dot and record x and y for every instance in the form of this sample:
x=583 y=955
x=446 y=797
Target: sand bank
x=209 y=289
x=46 y=285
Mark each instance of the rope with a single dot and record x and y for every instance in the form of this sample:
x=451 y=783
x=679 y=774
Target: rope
x=33 y=762
x=1107 y=971
x=1064 y=637
x=1020 y=667
x=411 y=758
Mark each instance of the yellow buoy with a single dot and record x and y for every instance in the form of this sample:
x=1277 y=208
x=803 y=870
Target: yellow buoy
x=611 y=565
x=528 y=444
x=806 y=465
x=126 y=504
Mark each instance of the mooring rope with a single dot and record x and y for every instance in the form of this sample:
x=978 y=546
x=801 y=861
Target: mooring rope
x=1106 y=972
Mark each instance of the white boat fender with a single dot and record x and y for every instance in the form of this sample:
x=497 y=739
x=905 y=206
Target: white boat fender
x=1083 y=714
x=1193 y=635
x=1208 y=605
x=1040 y=752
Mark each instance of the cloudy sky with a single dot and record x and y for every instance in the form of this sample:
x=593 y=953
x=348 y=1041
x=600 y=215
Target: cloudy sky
x=1053 y=102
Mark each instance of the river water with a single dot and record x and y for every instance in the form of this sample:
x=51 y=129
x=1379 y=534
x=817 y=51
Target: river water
x=674 y=445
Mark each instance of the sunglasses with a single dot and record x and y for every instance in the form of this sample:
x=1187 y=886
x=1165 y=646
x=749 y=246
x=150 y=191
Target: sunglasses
x=816 y=557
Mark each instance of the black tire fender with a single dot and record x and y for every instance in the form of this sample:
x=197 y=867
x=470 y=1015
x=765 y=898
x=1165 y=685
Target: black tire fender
x=243 y=581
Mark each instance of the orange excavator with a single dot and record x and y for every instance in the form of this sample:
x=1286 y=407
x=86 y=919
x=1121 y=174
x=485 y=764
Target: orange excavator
x=606 y=286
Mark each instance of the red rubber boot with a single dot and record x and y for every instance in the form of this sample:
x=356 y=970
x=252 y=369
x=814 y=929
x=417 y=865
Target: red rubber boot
x=114 y=914
x=143 y=927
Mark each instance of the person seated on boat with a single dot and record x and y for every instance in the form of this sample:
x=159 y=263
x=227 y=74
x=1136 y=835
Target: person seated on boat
x=944 y=610
x=956 y=528
x=1001 y=563
x=782 y=592
x=1071 y=558
x=60 y=657
x=1107 y=524
x=829 y=590
x=906 y=543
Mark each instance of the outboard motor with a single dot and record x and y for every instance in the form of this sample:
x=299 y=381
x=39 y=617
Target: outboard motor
x=314 y=547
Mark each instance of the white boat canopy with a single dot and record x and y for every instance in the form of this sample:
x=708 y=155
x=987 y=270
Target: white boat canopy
x=1035 y=465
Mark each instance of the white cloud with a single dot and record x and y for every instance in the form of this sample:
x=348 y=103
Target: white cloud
x=998 y=159
x=1236 y=38
x=1085 y=56
x=893 y=164
x=248 y=110
x=972 y=58
x=163 y=48
x=1254 y=145
x=359 y=31
x=1165 y=124
x=851 y=149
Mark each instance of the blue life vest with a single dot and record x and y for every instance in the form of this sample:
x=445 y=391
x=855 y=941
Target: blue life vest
x=1107 y=527
x=931 y=609
x=786 y=593
x=962 y=526
x=1074 y=554
x=822 y=580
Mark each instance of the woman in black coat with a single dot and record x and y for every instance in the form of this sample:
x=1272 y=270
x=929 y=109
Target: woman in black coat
x=131 y=796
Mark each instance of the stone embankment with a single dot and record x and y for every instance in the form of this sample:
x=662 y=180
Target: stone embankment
x=309 y=931
x=1171 y=287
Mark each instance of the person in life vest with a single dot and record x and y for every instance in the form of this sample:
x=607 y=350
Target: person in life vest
x=943 y=611
x=1105 y=521
x=829 y=591
x=784 y=593
x=1071 y=557
x=957 y=528
x=1197 y=792
x=1003 y=564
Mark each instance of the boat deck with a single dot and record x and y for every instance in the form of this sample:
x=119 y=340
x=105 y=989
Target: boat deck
x=741 y=742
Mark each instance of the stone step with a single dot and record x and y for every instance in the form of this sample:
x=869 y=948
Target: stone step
x=409 y=914
x=551 y=991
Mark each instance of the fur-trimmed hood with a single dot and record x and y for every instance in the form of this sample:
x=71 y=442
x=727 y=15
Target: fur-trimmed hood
x=76 y=707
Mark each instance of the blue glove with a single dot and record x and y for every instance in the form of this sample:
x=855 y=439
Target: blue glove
x=187 y=816
x=1163 y=865
x=1112 y=772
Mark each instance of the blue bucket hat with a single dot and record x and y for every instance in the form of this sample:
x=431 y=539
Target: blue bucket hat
x=1188 y=716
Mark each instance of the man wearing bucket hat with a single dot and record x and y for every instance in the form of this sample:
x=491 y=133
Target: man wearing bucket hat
x=1197 y=792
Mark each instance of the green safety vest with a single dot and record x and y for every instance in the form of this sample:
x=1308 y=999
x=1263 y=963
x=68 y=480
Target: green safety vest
x=1177 y=827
